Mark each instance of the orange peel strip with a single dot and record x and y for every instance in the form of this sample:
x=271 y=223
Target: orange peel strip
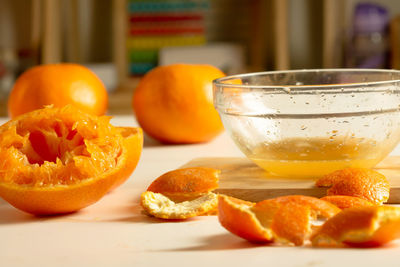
x=358 y=182
x=360 y=227
x=160 y=206
x=345 y=202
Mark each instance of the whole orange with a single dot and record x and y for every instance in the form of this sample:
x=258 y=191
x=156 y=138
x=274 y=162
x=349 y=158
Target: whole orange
x=58 y=85
x=174 y=103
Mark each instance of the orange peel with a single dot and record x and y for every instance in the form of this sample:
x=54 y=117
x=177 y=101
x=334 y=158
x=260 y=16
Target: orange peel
x=292 y=222
x=345 y=202
x=322 y=208
x=371 y=226
x=358 y=182
x=293 y=217
x=285 y=220
x=238 y=218
x=160 y=206
x=182 y=194
x=186 y=184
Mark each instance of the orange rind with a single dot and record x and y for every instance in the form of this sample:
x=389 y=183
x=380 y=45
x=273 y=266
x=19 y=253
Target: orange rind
x=160 y=206
x=284 y=220
x=321 y=208
x=292 y=222
x=133 y=140
x=360 y=227
x=345 y=202
x=358 y=182
x=182 y=194
x=186 y=184
x=238 y=218
x=294 y=216
x=60 y=160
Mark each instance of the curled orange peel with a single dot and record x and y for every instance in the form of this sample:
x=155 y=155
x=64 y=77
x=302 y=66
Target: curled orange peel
x=283 y=220
x=358 y=182
x=371 y=226
x=186 y=184
x=238 y=218
x=321 y=208
x=292 y=222
x=345 y=202
x=182 y=194
x=160 y=206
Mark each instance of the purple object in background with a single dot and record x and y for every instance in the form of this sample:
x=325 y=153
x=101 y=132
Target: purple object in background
x=370 y=18
x=369 y=41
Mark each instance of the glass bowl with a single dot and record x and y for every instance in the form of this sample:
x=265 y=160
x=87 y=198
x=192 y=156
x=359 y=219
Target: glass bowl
x=306 y=123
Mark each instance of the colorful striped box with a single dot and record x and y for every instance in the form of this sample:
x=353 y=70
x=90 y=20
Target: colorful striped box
x=155 y=24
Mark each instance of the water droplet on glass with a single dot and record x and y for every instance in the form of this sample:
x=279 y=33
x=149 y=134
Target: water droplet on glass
x=286 y=89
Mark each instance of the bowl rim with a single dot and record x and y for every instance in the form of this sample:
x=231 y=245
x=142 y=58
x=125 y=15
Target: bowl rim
x=220 y=81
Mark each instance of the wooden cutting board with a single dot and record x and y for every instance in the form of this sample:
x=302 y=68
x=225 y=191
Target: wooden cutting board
x=243 y=179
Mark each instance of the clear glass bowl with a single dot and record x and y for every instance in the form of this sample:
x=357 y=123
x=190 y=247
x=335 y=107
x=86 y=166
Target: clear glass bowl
x=306 y=123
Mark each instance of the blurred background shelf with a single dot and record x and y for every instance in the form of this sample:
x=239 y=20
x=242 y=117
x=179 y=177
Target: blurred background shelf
x=118 y=37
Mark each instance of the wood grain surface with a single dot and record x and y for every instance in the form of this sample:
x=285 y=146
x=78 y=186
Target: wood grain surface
x=241 y=178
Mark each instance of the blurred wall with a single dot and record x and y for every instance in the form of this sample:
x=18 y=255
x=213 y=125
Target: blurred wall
x=305 y=33
x=93 y=20
x=94 y=27
x=95 y=30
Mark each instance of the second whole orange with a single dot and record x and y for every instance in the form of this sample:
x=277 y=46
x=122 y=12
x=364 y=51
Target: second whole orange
x=173 y=103
x=58 y=85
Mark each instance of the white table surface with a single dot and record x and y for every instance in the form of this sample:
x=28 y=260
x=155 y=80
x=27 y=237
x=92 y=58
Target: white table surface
x=114 y=232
